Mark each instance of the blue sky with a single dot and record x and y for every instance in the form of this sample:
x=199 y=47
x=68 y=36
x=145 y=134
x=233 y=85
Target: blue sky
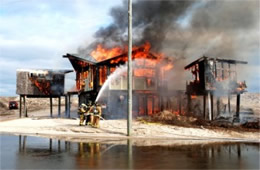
x=35 y=34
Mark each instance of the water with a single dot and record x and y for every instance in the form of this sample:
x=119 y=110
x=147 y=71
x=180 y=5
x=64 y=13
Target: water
x=118 y=72
x=21 y=152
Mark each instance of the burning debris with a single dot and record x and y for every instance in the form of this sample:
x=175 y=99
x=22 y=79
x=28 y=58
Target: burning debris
x=40 y=83
x=152 y=92
x=214 y=77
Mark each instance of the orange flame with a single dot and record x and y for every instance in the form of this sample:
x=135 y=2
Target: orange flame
x=101 y=53
x=193 y=96
x=43 y=86
x=147 y=64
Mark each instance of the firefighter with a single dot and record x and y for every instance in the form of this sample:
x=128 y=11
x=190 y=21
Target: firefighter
x=81 y=111
x=96 y=114
x=88 y=114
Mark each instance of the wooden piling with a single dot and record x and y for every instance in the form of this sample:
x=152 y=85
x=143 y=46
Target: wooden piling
x=218 y=106
x=20 y=106
x=59 y=103
x=68 y=105
x=209 y=103
x=212 y=104
x=50 y=106
x=180 y=104
x=145 y=98
x=238 y=105
x=204 y=106
x=229 y=108
x=25 y=106
x=189 y=103
x=153 y=111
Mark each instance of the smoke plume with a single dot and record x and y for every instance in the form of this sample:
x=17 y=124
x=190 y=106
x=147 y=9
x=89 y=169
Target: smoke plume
x=151 y=21
x=187 y=30
x=223 y=28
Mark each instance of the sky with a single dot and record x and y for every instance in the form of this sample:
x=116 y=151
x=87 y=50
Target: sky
x=37 y=33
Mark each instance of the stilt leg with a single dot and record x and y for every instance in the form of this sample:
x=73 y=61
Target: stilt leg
x=238 y=106
x=20 y=106
x=218 y=106
x=212 y=108
x=59 y=101
x=51 y=106
x=209 y=103
x=69 y=106
x=204 y=106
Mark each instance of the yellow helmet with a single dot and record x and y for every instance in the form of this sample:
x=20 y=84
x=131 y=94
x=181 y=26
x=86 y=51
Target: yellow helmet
x=83 y=107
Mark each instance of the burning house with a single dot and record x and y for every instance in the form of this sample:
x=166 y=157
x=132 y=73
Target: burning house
x=40 y=83
x=214 y=77
x=151 y=91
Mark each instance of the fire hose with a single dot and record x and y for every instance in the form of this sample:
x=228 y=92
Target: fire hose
x=95 y=115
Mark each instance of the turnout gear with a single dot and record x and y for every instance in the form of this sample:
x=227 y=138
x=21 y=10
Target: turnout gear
x=82 y=109
x=96 y=114
x=88 y=115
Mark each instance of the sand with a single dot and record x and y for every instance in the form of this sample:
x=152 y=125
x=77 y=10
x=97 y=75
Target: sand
x=69 y=128
x=40 y=124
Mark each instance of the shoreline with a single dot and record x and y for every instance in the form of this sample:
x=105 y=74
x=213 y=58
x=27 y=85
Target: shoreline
x=68 y=129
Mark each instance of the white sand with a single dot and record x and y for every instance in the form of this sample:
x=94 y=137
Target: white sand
x=39 y=124
x=69 y=128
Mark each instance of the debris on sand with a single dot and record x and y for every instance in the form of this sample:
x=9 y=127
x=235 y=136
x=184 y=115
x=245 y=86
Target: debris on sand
x=252 y=125
x=167 y=117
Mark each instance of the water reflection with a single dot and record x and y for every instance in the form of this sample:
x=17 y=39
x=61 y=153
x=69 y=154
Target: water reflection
x=43 y=153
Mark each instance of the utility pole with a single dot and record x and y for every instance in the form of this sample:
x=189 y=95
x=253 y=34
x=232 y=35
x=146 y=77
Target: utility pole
x=129 y=83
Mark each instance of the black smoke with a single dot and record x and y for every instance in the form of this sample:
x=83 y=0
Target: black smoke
x=215 y=28
x=151 y=22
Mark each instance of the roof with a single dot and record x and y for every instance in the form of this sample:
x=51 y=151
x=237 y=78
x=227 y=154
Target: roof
x=92 y=61
x=88 y=58
x=57 y=71
x=217 y=59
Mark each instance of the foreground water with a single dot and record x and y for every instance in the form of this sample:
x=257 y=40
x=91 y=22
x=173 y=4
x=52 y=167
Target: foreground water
x=24 y=152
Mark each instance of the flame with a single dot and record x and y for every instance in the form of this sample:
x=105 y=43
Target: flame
x=101 y=53
x=167 y=67
x=193 y=96
x=145 y=60
x=43 y=86
x=144 y=72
